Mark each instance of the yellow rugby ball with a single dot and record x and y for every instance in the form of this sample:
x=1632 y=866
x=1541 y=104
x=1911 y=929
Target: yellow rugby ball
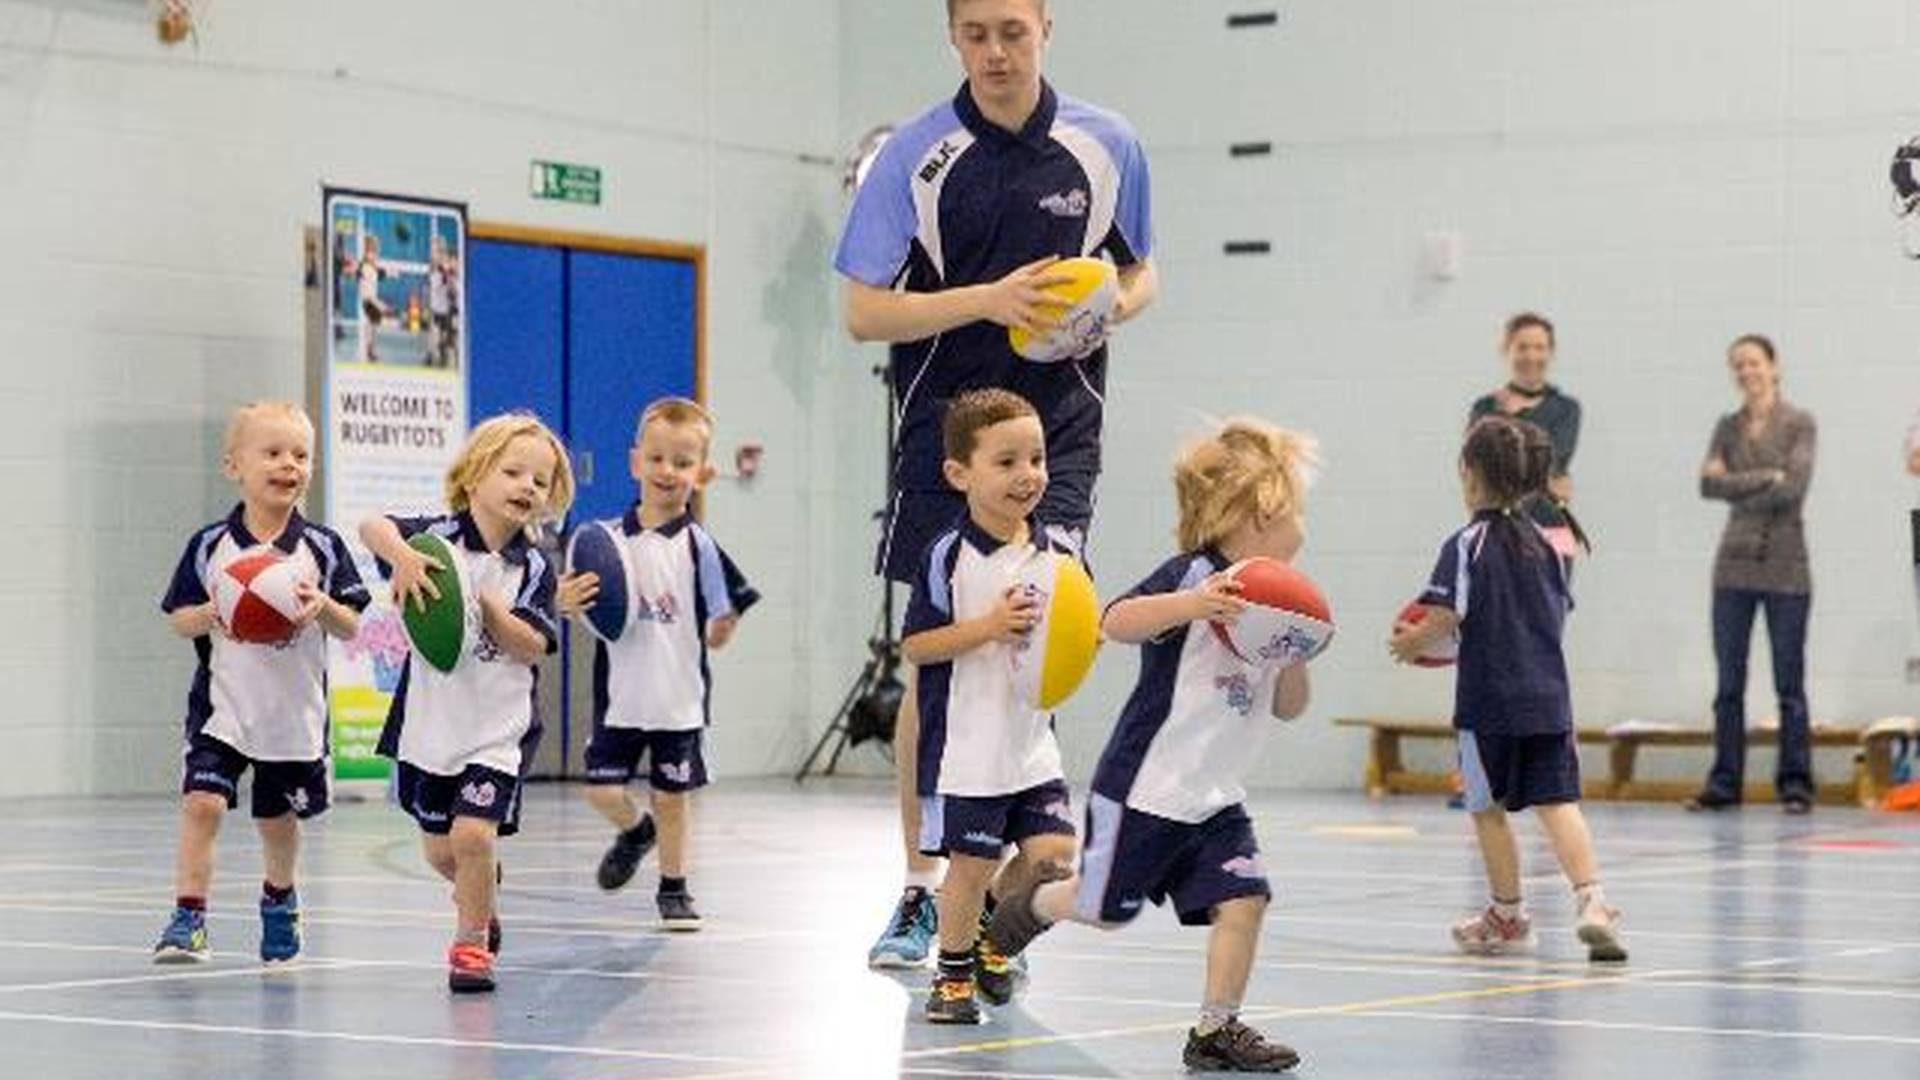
x=1086 y=309
x=1053 y=660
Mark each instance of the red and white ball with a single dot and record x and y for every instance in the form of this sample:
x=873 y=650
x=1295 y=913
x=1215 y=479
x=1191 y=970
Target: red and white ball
x=255 y=597
x=1442 y=653
x=1287 y=620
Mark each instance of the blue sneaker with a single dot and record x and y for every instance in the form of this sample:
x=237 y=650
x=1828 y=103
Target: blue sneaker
x=279 y=929
x=909 y=936
x=184 y=941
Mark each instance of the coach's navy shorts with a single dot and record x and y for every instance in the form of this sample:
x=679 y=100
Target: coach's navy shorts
x=1131 y=857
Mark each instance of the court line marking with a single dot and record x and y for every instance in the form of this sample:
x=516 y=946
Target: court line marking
x=1663 y=1029
x=194 y=974
x=391 y=1040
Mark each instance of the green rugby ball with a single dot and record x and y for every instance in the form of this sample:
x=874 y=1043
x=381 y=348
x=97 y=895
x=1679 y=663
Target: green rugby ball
x=439 y=631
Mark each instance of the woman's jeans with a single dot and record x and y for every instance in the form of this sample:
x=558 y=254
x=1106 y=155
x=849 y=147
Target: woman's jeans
x=1733 y=611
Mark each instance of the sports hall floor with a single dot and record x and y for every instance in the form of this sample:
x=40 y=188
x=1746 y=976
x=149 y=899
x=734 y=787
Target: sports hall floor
x=1762 y=946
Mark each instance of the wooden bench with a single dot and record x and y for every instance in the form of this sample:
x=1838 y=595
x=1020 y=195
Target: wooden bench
x=1387 y=773
x=1626 y=750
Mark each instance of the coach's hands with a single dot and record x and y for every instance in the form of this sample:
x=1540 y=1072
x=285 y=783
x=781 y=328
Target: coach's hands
x=1021 y=298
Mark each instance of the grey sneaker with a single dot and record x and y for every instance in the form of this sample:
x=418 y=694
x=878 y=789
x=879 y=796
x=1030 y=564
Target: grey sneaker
x=677 y=912
x=1599 y=931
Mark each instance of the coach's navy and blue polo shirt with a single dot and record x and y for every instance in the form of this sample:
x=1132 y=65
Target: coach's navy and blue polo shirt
x=1197 y=718
x=953 y=199
x=483 y=712
x=269 y=702
x=655 y=677
x=1512 y=600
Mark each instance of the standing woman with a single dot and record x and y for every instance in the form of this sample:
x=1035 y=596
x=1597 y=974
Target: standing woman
x=1528 y=346
x=1760 y=462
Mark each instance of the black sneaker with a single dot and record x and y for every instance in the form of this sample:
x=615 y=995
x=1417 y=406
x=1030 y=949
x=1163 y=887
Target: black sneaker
x=677 y=912
x=1235 y=1047
x=1709 y=800
x=1014 y=925
x=1797 y=805
x=620 y=861
x=993 y=972
x=952 y=1002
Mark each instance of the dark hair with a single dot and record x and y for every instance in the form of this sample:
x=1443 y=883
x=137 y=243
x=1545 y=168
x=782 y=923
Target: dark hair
x=1513 y=460
x=1765 y=345
x=977 y=409
x=952 y=4
x=1525 y=319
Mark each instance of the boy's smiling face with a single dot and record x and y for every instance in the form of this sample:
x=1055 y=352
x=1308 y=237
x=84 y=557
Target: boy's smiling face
x=271 y=461
x=1005 y=475
x=670 y=464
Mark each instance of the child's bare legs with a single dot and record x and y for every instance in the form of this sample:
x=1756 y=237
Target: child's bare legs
x=1566 y=829
x=923 y=870
x=614 y=804
x=200 y=814
x=961 y=899
x=1500 y=852
x=1020 y=871
x=279 y=847
x=471 y=842
x=670 y=819
x=1231 y=946
x=439 y=853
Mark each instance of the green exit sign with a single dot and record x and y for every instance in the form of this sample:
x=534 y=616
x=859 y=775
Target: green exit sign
x=565 y=182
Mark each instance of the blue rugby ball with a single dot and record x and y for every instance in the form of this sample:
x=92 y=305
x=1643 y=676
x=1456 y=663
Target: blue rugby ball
x=595 y=550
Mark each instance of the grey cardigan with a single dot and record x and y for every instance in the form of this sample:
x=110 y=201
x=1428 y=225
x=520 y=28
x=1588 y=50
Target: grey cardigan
x=1764 y=546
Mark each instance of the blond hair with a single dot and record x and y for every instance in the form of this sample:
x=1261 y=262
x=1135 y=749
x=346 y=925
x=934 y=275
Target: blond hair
x=259 y=410
x=489 y=441
x=674 y=410
x=1249 y=470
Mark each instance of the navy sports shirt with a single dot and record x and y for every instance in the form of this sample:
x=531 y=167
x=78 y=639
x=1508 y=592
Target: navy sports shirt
x=1512 y=600
x=953 y=199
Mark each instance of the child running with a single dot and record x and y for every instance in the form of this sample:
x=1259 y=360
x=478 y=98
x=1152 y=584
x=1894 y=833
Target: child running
x=1165 y=819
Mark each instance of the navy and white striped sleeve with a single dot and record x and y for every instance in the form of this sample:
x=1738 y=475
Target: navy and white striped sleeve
x=189 y=584
x=1446 y=588
x=1177 y=574
x=409 y=527
x=342 y=577
x=534 y=604
x=723 y=588
x=1133 y=217
x=930 y=606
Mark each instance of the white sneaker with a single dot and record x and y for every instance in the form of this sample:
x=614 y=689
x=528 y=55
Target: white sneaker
x=1493 y=934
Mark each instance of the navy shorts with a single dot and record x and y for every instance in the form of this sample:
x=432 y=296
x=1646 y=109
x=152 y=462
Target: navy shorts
x=1518 y=771
x=478 y=792
x=675 y=760
x=983 y=825
x=1131 y=857
x=279 y=787
x=917 y=518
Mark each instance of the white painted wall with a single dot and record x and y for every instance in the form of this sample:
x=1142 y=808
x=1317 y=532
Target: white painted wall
x=1659 y=177
x=151 y=202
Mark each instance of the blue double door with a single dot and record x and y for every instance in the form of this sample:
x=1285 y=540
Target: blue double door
x=584 y=339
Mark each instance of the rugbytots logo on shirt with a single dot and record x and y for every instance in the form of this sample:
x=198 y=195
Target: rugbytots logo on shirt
x=1290 y=645
x=1066 y=204
x=1239 y=691
x=665 y=610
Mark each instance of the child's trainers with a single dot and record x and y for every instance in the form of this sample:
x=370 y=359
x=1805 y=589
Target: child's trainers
x=469 y=969
x=1493 y=934
x=952 y=1002
x=620 y=861
x=1599 y=930
x=996 y=974
x=677 y=912
x=184 y=941
x=908 y=938
x=1235 y=1047
x=279 y=929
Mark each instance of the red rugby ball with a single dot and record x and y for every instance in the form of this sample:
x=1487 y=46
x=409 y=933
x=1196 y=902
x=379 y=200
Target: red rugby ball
x=1287 y=620
x=1442 y=653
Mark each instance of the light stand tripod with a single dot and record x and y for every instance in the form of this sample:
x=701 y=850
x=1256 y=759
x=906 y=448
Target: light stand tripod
x=872 y=703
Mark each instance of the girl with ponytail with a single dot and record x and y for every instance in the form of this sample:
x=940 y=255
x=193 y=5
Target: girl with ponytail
x=1501 y=586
